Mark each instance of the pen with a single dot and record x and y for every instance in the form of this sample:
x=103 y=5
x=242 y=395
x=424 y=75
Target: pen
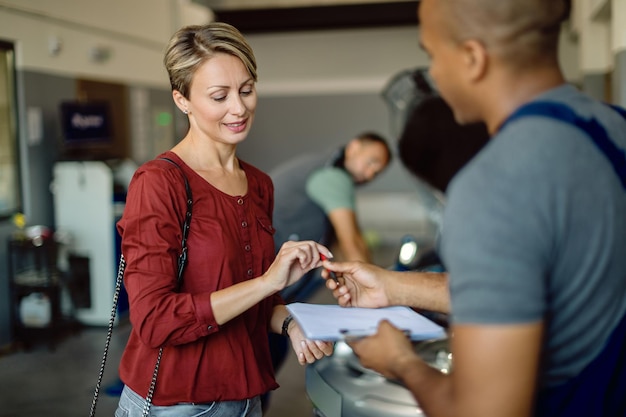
x=331 y=273
x=356 y=334
x=349 y=335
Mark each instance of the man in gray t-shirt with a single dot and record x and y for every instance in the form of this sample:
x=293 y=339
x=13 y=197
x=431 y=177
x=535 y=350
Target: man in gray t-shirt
x=314 y=199
x=534 y=231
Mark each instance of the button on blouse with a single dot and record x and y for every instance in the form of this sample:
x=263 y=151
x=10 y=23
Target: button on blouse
x=230 y=241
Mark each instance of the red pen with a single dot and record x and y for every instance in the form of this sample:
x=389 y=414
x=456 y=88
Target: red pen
x=331 y=273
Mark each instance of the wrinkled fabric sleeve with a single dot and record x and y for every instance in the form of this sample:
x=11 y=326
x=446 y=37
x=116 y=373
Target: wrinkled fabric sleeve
x=151 y=242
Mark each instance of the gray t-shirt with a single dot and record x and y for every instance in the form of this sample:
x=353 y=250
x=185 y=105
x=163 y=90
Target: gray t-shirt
x=535 y=229
x=306 y=189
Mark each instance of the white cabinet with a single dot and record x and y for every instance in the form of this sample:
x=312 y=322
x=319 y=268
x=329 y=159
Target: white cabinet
x=84 y=207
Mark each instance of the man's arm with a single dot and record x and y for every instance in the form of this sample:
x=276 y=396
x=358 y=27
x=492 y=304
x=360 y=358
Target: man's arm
x=368 y=285
x=349 y=238
x=494 y=369
x=423 y=290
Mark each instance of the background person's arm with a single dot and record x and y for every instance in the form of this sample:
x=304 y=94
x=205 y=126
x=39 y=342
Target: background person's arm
x=332 y=189
x=350 y=241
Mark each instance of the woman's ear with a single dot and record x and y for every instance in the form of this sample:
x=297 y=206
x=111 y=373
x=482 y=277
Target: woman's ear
x=180 y=101
x=476 y=59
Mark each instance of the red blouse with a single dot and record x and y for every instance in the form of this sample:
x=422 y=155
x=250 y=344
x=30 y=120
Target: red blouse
x=230 y=241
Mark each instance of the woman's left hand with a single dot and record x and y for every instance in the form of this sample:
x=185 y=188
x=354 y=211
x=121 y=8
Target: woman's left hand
x=308 y=351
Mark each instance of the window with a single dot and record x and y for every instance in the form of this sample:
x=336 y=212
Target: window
x=9 y=169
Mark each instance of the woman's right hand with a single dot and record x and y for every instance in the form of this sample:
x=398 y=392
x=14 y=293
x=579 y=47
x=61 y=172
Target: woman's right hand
x=293 y=260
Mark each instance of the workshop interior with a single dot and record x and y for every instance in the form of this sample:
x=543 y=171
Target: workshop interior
x=327 y=70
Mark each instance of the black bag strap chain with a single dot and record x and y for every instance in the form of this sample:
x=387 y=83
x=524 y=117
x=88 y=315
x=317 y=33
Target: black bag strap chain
x=182 y=262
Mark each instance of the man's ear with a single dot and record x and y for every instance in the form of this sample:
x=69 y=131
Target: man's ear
x=476 y=59
x=180 y=101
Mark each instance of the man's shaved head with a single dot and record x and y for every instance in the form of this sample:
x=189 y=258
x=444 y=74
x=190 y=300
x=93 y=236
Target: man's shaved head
x=520 y=31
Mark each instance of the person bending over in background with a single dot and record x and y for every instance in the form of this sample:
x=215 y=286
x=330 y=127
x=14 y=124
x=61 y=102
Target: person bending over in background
x=216 y=359
x=315 y=200
x=534 y=231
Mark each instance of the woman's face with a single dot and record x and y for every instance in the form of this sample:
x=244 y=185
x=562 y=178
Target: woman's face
x=222 y=100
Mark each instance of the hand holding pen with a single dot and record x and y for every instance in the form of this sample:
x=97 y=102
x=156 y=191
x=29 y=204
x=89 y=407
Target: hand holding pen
x=362 y=284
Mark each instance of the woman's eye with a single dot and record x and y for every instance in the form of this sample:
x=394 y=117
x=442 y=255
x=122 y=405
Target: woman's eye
x=246 y=92
x=221 y=98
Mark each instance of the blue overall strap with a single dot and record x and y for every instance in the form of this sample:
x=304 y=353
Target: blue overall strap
x=598 y=390
x=596 y=132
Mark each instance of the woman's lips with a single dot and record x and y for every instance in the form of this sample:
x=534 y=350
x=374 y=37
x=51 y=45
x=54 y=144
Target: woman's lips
x=237 y=127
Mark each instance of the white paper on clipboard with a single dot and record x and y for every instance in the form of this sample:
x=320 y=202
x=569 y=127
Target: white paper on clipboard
x=332 y=322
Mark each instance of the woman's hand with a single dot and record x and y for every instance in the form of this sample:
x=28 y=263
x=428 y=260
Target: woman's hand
x=293 y=260
x=307 y=351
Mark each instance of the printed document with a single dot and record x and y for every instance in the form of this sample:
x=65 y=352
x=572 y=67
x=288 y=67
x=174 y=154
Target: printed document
x=332 y=322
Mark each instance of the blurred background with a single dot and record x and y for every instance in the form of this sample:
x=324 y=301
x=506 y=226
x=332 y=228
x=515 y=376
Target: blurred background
x=328 y=70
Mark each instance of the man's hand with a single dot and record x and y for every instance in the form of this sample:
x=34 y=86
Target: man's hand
x=367 y=285
x=363 y=284
x=388 y=352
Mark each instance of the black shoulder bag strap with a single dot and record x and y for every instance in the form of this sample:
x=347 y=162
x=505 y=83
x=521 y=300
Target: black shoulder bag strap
x=182 y=262
x=182 y=258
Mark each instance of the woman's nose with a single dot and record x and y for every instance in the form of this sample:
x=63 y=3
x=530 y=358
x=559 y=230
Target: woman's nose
x=237 y=106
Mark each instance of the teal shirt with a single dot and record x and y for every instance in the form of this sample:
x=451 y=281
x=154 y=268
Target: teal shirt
x=331 y=188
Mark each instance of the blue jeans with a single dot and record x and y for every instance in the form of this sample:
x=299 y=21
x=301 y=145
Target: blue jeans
x=131 y=405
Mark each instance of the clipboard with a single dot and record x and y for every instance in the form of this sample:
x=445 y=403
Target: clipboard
x=334 y=323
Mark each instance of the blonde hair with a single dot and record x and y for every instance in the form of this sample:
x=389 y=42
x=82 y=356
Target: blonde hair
x=192 y=45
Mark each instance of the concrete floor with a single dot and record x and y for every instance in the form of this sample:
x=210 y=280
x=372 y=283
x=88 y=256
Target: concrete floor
x=60 y=382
